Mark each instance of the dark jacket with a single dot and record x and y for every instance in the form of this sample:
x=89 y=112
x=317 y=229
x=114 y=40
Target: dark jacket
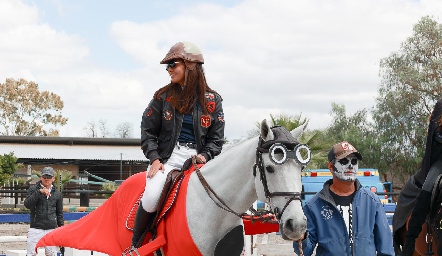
x=161 y=126
x=46 y=213
x=327 y=229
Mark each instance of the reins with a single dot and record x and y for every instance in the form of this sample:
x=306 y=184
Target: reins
x=210 y=191
x=262 y=215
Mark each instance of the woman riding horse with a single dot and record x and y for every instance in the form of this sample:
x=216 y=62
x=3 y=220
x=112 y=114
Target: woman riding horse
x=423 y=181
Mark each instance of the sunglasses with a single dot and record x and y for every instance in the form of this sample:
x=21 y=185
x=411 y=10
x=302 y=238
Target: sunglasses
x=172 y=64
x=344 y=161
x=46 y=177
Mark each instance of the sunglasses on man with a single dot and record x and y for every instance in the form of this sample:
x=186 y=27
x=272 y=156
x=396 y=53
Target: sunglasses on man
x=46 y=177
x=172 y=64
x=344 y=161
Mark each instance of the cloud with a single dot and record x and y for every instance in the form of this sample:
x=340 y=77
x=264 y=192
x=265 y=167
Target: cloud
x=263 y=57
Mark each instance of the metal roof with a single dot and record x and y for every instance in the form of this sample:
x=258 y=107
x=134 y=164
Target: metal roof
x=75 y=152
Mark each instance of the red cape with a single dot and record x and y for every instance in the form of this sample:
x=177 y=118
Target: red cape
x=104 y=230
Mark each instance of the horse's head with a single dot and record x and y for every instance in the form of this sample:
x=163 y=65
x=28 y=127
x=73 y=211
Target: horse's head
x=280 y=159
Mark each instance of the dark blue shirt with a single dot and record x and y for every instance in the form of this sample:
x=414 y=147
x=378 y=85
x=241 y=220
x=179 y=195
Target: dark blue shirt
x=187 y=135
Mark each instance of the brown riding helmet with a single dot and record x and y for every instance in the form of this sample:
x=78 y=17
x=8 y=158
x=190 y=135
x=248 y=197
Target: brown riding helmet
x=187 y=51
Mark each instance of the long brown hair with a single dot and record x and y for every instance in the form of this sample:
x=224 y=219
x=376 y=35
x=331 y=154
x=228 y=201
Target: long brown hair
x=184 y=99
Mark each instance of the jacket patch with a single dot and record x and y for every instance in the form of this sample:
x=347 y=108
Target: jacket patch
x=167 y=114
x=211 y=105
x=327 y=212
x=205 y=121
x=149 y=111
x=210 y=96
x=221 y=117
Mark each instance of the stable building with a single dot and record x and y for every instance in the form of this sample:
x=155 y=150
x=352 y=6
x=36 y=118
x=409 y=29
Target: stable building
x=109 y=158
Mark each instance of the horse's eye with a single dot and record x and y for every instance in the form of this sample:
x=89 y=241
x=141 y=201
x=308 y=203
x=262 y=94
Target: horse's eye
x=270 y=169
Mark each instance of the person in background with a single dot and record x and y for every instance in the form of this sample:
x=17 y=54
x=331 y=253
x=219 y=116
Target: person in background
x=345 y=218
x=46 y=205
x=183 y=119
x=421 y=183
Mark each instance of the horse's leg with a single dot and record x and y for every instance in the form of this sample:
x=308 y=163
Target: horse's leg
x=232 y=243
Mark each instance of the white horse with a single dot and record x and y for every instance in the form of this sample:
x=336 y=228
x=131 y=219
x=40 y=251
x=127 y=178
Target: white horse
x=267 y=168
x=232 y=177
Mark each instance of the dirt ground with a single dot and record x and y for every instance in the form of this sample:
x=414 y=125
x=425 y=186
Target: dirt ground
x=267 y=245
x=20 y=229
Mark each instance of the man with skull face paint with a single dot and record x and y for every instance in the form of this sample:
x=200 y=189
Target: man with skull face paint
x=345 y=218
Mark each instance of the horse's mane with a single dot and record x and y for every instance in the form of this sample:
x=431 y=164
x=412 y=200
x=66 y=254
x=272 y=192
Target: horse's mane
x=236 y=143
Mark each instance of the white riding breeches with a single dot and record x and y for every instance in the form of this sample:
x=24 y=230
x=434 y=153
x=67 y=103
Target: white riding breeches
x=34 y=236
x=155 y=185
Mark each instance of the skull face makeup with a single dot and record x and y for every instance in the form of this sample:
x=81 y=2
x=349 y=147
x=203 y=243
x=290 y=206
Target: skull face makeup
x=346 y=168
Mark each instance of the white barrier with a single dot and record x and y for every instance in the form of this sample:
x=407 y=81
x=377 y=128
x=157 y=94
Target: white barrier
x=67 y=252
x=9 y=239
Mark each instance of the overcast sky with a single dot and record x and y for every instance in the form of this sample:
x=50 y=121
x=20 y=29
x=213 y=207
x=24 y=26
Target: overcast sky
x=264 y=57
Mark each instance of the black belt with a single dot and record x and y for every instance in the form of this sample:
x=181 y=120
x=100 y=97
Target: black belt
x=187 y=144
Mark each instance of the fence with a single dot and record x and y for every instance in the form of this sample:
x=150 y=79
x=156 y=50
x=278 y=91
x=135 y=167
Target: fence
x=15 y=195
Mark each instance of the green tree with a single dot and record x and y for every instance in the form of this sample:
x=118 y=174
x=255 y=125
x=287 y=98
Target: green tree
x=410 y=86
x=8 y=166
x=361 y=133
x=26 y=111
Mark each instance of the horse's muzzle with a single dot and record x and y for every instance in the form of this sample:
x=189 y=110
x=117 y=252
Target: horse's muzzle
x=293 y=229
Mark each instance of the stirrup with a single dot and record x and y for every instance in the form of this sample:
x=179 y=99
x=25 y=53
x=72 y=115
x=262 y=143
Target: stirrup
x=129 y=251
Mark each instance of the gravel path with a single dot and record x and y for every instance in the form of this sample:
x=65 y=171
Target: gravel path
x=267 y=245
x=20 y=229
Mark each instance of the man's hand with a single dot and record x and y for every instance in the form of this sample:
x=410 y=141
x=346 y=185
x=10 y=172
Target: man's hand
x=45 y=192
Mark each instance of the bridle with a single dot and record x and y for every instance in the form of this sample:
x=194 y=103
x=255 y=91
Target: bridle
x=271 y=147
x=274 y=147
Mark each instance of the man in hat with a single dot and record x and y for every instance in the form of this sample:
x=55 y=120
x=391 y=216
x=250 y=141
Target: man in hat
x=46 y=205
x=345 y=218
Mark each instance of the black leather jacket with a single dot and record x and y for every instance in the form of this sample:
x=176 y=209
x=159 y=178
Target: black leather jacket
x=46 y=213
x=161 y=126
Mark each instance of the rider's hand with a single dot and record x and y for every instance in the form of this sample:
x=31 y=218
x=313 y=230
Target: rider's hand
x=200 y=159
x=155 y=167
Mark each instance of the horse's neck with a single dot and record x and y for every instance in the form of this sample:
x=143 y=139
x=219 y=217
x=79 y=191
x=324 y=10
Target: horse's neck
x=230 y=175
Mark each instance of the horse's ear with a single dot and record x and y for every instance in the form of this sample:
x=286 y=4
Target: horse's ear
x=266 y=132
x=299 y=130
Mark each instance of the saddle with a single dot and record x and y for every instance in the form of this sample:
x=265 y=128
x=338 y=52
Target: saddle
x=166 y=201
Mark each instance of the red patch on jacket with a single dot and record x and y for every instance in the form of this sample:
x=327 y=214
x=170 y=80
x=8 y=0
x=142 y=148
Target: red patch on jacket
x=205 y=121
x=149 y=111
x=211 y=105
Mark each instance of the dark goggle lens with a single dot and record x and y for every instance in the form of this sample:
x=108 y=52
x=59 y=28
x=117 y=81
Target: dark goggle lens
x=47 y=177
x=345 y=161
x=172 y=65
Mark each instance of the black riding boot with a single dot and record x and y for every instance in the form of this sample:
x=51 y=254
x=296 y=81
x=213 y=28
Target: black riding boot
x=143 y=223
x=418 y=216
